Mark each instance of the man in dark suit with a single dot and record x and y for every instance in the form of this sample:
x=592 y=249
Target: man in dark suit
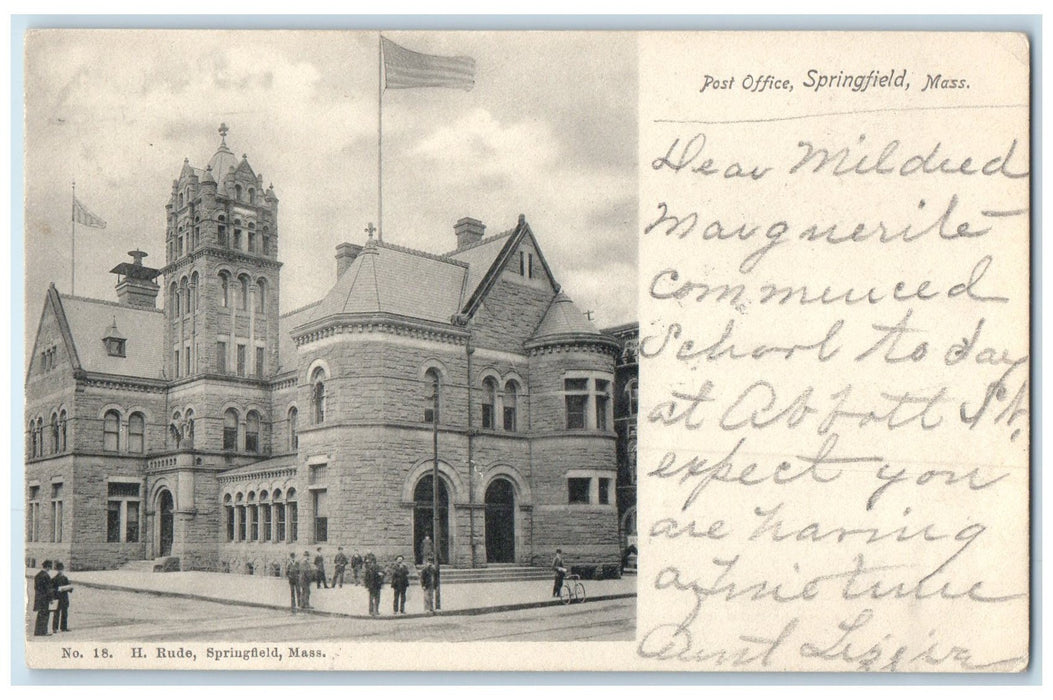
x=319 y=570
x=61 y=586
x=42 y=598
x=292 y=574
x=561 y=571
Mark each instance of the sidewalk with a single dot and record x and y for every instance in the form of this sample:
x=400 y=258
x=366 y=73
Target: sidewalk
x=350 y=601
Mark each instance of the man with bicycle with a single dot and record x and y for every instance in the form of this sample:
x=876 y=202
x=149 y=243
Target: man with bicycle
x=561 y=571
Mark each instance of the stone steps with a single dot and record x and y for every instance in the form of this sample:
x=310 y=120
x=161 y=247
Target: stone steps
x=151 y=565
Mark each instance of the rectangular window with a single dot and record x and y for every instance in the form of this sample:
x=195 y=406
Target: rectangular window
x=578 y=490
x=265 y=522
x=177 y=363
x=522 y=263
x=122 y=512
x=429 y=415
x=230 y=438
x=33 y=526
x=577 y=399
x=321 y=519
x=279 y=519
x=488 y=415
x=605 y=492
x=241 y=523
x=56 y=512
x=186 y=361
x=259 y=362
x=603 y=400
x=230 y=523
x=254 y=523
x=222 y=231
x=510 y=418
x=293 y=522
x=241 y=359
x=221 y=357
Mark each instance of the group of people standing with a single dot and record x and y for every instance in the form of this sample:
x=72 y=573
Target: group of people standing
x=51 y=591
x=365 y=571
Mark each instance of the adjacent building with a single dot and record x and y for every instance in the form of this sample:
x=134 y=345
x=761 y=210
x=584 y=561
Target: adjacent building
x=189 y=419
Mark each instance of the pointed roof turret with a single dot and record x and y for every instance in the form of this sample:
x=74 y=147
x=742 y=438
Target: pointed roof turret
x=223 y=159
x=113 y=333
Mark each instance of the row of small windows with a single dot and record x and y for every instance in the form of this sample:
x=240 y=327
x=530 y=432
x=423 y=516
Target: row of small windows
x=47 y=358
x=499 y=408
x=34 y=530
x=232 y=434
x=123 y=513
x=246 y=239
x=240 y=365
x=588 y=403
x=263 y=517
x=236 y=292
x=49 y=440
x=111 y=432
x=589 y=490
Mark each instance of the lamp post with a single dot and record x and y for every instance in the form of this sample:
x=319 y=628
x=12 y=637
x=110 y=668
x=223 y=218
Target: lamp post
x=435 y=488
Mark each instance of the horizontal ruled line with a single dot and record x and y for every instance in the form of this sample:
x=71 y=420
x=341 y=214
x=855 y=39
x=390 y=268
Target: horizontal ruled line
x=833 y=114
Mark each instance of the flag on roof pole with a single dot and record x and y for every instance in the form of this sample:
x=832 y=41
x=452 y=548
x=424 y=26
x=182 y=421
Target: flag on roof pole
x=81 y=215
x=408 y=69
x=399 y=68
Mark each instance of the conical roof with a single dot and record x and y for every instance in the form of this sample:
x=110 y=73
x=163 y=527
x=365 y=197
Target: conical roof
x=562 y=318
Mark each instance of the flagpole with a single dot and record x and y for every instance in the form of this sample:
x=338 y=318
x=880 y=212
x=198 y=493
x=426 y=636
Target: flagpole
x=380 y=136
x=73 y=243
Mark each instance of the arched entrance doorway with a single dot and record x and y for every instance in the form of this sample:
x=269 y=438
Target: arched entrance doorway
x=166 y=508
x=500 y=522
x=422 y=519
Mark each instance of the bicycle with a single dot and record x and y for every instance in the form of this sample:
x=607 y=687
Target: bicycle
x=573 y=590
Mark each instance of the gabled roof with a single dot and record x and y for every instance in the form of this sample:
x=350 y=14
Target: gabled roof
x=89 y=320
x=521 y=232
x=480 y=257
x=391 y=279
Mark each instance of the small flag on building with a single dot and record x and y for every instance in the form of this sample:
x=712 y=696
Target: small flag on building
x=408 y=69
x=81 y=215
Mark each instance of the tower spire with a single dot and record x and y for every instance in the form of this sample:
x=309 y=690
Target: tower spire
x=223 y=134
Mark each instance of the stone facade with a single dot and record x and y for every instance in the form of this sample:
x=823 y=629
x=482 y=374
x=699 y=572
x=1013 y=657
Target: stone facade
x=221 y=433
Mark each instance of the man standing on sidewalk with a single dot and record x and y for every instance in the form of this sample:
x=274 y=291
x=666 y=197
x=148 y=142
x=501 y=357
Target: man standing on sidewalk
x=339 y=565
x=428 y=581
x=306 y=574
x=561 y=571
x=319 y=566
x=356 y=567
x=400 y=582
x=42 y=593
x=61 y=587
x=292 y=575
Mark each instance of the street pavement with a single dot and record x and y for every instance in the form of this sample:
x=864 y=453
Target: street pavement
x=350 y=600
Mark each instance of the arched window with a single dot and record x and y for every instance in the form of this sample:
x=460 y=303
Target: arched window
x=175 y=299
x=266 y=240
x=184 y=293
x=221 y=230
x=62 y=430
x=433 y=395
x=111 y=431
x=252 y=432
x=136 y=433
x=511 y=405
x=243 y=292
x=237 y=234
x=632 y=397
x=261 y=290
x=252 y=196
x=40 y=437
x=33 y=448
x=237 y=192
x=224 y=284
x=318 y=394
x=489 y=403
x=194 y=287
x=294 y=439
x=230 y=429
x=54 y=433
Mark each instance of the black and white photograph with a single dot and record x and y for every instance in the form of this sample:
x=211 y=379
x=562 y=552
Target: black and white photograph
x=330 y=336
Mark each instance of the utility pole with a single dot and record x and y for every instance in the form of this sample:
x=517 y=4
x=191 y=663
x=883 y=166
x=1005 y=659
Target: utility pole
x=435 y=489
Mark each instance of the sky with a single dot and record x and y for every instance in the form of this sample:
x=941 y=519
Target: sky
x=549 y=131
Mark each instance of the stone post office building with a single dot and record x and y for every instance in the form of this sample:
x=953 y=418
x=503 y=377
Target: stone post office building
x=221 y=433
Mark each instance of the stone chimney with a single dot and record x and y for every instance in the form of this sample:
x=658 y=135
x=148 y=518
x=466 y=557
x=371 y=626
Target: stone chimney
x=345 y=255
x=135 y=282
x=469 y=231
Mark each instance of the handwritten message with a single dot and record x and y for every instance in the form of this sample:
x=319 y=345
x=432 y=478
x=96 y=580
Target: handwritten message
x=834 y=340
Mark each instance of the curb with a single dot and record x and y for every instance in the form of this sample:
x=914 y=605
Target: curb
x=508 y=607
